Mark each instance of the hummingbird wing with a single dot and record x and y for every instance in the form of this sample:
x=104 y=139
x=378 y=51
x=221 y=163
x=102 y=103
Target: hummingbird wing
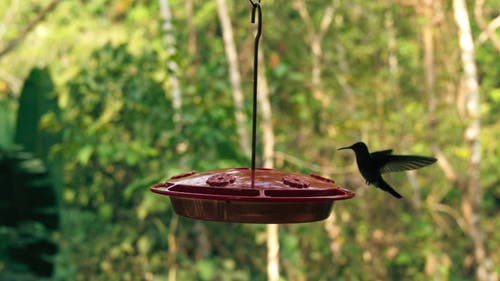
x=397 y=163
x=381 y=153
x=380 y=158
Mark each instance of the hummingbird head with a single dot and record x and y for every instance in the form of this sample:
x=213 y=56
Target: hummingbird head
x=359 y=146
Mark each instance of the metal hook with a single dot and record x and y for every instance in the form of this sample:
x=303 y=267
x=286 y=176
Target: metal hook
x=256 y=7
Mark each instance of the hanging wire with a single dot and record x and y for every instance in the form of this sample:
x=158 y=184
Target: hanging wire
x=256 y=7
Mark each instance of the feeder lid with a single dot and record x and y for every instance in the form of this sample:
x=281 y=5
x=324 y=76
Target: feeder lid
x=259 y=196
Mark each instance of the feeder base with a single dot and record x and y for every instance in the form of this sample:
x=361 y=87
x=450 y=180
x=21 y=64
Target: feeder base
x=243 y=195
x=252 y=212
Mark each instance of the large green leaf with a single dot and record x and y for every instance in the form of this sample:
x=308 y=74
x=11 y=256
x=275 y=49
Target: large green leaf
x=6 y=134
x=36 y=128
x=29 y=213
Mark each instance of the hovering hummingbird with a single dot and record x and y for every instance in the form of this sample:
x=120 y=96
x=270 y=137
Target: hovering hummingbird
x=372 y=165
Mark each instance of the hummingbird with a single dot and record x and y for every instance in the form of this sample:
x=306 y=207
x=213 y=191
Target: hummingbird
x=373 y=165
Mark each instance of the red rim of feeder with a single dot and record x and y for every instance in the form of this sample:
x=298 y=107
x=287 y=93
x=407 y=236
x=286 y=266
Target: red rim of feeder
x=261 y=196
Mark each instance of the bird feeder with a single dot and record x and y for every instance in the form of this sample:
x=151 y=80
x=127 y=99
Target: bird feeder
x=252 y=195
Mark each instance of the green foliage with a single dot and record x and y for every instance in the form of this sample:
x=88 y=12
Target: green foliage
x=29 y=207
x=111 y=76
x=115 y=114
x=120 y=121
x=29 y=215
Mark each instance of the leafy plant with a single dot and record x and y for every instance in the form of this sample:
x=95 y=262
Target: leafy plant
x=29 y=205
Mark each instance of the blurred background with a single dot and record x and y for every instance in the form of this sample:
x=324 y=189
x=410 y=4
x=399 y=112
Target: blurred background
x=99 y=99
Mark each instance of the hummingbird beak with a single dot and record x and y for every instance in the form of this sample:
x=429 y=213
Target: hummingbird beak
x=346 y=147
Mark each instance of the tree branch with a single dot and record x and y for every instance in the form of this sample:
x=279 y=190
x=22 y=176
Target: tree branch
x=28 y=28
x=300 y=6
x=444 y=164
x=488 y=29
x=326 y=20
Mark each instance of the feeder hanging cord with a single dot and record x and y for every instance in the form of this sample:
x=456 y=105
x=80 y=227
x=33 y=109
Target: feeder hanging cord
x=256 y=7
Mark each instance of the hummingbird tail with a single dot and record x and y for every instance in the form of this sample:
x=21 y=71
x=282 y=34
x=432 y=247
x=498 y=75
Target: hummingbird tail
x=387 y=188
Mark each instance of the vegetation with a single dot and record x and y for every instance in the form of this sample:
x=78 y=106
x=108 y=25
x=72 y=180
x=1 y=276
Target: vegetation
x=122 y=100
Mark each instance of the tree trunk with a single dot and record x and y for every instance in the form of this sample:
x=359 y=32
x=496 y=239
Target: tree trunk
x=429 y=70
x=266 y=112
x=427 y=33
x=273 y=273
x=172 y=249
x=314 y=40
x=472 y=196
x=192 y=42
x=344 y=69
x=273 y=247
x=333 y=230
x=234 y=75
x=168 y=29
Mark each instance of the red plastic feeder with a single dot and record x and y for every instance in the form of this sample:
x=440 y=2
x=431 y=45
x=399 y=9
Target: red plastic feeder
x=263 y=196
